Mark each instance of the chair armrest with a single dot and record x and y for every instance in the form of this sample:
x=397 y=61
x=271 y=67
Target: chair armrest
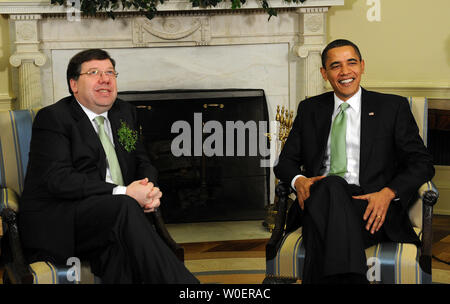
x=429 y=195
x=161 y=229
x=18 y=270
x=282 y=191
x=8 y=199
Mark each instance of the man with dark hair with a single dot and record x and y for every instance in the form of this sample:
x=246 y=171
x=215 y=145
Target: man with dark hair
x=87 y=189
x=339 y=43
x=356 y=161
x=74 y=66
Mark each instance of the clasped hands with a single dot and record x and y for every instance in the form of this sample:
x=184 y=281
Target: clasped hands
x=378 y=202
x=145 y=193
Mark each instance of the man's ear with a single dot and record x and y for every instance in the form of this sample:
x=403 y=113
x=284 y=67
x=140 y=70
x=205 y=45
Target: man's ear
x=324 y=74
x=363 y=64
x=73 y=85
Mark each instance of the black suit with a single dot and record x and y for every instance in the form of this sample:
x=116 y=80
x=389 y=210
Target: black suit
x=67 y=208
x=392 y=154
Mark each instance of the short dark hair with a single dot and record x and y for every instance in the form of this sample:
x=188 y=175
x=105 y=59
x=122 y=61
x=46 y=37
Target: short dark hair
x=338 y=43
x=74 y=67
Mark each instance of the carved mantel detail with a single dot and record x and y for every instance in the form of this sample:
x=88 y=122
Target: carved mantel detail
x=182 y=28
x=28 y=59
x=36 y=58
x=313 y=31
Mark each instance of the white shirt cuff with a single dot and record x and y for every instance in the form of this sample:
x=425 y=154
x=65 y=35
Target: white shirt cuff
x=293 y=181
x=119 y=190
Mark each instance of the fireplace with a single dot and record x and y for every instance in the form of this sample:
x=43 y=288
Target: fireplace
x=181 y=48
x=211 y=167
x=439 y=135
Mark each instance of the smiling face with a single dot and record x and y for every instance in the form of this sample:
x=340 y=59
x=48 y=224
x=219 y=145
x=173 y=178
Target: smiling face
x=343 y=69
x=95 y=92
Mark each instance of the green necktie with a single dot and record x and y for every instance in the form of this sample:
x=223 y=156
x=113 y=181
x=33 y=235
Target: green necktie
x=114 y=167
x=338 y=153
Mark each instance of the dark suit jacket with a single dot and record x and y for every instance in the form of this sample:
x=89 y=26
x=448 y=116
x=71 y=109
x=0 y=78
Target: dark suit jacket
x=392 y=153
x=67 y=164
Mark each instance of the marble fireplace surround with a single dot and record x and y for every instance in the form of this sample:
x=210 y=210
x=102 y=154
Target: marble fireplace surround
x=181 y=48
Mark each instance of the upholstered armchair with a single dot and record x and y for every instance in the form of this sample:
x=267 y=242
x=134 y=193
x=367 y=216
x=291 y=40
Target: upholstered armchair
x=399 y=263
x=15 y=136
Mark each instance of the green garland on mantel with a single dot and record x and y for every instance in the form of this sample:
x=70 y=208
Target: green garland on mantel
x=148 y=7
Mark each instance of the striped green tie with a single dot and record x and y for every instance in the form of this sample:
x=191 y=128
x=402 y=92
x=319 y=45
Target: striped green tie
x=114 y=167
x=338 y=153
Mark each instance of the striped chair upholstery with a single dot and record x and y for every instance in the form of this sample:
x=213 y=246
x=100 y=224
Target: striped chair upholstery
x=397 y=262
x=15 y=139
x=15 y=136
x=419 y=108
x=46 y=273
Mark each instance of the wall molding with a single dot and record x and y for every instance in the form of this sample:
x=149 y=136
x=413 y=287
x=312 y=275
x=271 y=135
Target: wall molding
x=6 y=102
x=430 y=89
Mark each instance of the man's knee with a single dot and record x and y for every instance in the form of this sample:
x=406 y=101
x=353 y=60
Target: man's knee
x=329 y=189
x=126 y=202
x=329 y=183
x=332 y=180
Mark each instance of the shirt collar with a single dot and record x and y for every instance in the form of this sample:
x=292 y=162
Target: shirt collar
x=354 y=101
x=91 y=115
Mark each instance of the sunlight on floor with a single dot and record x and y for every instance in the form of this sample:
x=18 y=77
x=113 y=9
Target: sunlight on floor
x=217 y=231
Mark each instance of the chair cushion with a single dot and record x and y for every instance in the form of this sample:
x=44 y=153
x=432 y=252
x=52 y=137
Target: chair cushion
x=398 y=264
x=398 y=261
x=288 y=263
x=48 y=273
x=419 y=109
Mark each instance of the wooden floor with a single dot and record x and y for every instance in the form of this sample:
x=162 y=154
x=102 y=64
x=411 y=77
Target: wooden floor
x=223 y=254
x=441 y=227
x=441 y=241
x=225 y=249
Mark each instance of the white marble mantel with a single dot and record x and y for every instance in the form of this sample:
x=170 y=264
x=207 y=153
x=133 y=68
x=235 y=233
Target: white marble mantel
x=183 y=47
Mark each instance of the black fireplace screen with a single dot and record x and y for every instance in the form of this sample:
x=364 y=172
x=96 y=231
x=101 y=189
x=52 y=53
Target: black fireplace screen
x=439 y=136
x=208 y=146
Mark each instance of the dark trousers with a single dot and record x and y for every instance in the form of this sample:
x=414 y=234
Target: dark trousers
x=334 y=232
x=113 y=232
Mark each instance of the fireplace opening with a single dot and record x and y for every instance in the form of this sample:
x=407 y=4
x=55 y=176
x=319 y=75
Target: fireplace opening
x=206 y=145
x=439 y=136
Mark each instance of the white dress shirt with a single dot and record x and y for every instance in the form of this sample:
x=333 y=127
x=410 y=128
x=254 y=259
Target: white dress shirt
x=353 y=138
x=107 y=126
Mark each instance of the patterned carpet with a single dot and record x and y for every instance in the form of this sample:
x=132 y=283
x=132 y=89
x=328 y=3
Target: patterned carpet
x=227 y=262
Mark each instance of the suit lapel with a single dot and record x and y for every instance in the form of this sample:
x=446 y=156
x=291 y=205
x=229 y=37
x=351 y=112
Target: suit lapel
x=322 y=119
x=87 y=132
x=369 y=125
